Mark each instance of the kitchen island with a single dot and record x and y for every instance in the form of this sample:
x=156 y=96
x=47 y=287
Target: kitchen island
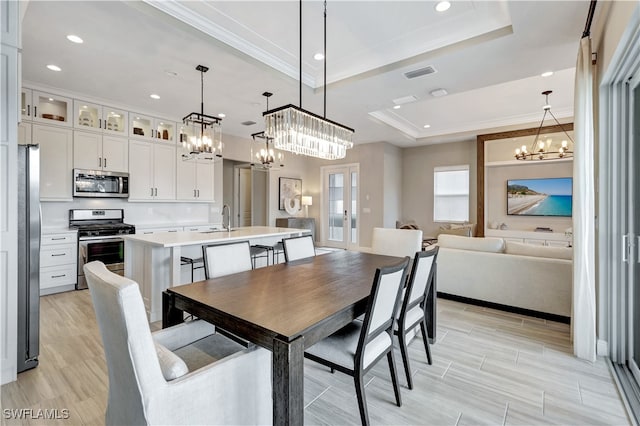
x=153 y=260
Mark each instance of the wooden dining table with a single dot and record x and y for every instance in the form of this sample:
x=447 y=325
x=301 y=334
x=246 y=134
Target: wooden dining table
x=286 y=308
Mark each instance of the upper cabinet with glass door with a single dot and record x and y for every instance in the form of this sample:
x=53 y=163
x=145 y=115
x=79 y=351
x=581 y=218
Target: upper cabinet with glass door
x=88 y=116
x=145 y=127
x=45 y=107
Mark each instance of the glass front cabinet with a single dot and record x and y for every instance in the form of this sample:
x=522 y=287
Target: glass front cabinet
x=101 y=118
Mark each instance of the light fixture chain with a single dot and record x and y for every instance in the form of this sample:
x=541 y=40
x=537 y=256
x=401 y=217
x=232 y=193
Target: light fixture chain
x=300 y=82
x=562 y=127
x=324 y=89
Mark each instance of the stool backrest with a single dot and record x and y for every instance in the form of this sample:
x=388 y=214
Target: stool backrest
x=226 y=259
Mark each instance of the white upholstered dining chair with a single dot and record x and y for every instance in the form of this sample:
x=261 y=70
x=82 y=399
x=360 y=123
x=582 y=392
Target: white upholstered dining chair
x=396 y=242
x=412 y=309
x=298 y=248
x=226 y=259
x=150 y=384
x=356 y=348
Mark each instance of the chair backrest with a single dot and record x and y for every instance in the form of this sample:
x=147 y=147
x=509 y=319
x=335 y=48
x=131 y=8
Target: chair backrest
x=298 y=248
x=226 y=259
x=383 y=304
x=396 y=242
x=420 y=278
x=131 y=357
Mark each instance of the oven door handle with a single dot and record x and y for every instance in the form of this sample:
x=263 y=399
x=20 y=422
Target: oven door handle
x=102 y=238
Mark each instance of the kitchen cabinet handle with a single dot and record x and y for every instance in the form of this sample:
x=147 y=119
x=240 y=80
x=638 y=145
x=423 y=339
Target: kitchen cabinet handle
x=152 y=192
x=105 y=161
x=58 y=276
x=29 y=110
x=625 y=248
x=156 y=192
x=198 y=193
x=58 y=238
x=194 y=193
x=35 y=111
x=99 y=161
x=58 y=254
x=100 y=123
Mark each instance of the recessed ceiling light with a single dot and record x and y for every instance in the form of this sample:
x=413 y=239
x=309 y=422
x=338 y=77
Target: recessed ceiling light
x=547 y=74
x=222 y=115
x=439 y=93
x=50 y=99
x=318 y=56
x=396 y=107
x=54 y=67
x=443 y=6
x=154 y=96
x=426 y=126
x=74 y=39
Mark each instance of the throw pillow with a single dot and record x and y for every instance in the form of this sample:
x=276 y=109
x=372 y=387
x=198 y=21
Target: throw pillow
x=533 y=250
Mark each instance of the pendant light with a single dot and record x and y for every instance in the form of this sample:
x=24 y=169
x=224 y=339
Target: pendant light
x=265 y=156
x=297 y=130
x=201 y=133
x=542 y=150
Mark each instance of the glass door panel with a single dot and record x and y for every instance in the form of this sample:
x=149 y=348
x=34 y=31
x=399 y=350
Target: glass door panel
x=634 y=223
x=340 y=206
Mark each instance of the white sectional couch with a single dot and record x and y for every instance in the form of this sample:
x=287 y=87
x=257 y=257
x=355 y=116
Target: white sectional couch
x=524 y=276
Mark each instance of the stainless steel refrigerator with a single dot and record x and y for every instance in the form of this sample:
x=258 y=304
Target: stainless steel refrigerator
x=28 y=256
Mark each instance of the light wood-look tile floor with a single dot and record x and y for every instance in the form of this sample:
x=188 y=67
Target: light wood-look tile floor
x=490 y=367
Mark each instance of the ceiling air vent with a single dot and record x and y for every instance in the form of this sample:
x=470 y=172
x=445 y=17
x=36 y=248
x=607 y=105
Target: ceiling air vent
x=248 y=123
x=420 y=72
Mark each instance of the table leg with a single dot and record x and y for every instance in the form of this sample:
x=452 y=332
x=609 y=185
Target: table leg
x=170 y=315
x=288 y=382
x=431 y=308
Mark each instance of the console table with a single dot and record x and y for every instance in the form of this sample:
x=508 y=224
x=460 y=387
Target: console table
x=298 y=222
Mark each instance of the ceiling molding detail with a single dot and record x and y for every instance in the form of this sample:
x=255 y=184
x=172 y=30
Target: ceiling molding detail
x=181 y=12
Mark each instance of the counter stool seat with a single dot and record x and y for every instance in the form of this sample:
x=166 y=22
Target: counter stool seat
x=199 y=261
x=258 y=251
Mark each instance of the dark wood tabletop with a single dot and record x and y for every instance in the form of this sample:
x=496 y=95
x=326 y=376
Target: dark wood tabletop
x=285 y=300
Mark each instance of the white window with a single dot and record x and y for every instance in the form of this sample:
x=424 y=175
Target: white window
x=451 y=194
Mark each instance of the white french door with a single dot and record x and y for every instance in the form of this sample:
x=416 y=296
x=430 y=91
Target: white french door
x=340 y=206
x=631 y=240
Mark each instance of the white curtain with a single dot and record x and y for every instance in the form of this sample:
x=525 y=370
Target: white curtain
x=584 y=295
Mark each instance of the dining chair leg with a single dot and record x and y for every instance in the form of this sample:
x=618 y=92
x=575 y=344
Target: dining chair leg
x=402 y=339
x=362 y=402
x=394 y=377
x=425 y=339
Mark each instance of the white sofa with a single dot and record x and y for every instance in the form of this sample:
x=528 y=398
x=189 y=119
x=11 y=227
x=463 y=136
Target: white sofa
x=524 y=276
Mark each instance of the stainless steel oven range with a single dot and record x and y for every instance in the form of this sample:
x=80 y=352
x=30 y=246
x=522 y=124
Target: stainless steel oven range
x=99 y=238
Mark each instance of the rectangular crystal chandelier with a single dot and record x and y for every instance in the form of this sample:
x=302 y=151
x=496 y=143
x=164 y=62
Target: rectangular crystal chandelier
x=302 y=132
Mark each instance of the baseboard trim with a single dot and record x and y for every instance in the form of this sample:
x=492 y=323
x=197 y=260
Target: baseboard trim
x=506 y=308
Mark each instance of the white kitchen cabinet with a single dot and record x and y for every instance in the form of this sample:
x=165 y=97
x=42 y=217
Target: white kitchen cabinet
x=95 y=151
x=156 y=230
x=146 y=127
x=24 y=133
x=152 y=175
x=58 y=262
x=46 y=108
x=56 y=162
x=195 y=177
x=100 y=118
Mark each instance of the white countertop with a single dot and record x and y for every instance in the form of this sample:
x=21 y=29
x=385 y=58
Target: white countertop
x=175 y=239
x=57 y=229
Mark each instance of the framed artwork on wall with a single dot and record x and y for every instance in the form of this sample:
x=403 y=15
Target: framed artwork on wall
x=290 y=189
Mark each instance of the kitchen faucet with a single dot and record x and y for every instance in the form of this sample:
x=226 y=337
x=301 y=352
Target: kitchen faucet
x=228 y=227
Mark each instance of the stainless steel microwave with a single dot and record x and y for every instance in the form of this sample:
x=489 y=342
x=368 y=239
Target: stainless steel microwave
x=98 y=183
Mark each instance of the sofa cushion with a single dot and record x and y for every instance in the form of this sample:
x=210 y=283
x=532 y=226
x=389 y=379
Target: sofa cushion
x=172 y=365
x=487 y=244
x=523 y=249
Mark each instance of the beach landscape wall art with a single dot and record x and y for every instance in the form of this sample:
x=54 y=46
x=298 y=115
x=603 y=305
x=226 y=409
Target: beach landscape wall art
x=540 y=197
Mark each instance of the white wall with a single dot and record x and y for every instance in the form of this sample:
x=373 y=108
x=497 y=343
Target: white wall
x=417 y=180
x=392 y=185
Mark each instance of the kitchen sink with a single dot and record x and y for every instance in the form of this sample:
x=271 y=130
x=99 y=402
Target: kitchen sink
x=215 y=231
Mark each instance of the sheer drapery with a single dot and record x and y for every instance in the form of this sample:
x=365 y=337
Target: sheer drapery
x=584 y=300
